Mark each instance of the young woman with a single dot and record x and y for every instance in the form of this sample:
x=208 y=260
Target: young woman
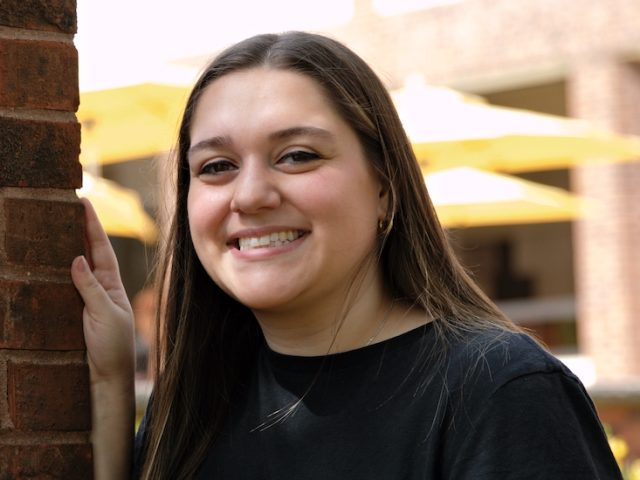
x=314 y=322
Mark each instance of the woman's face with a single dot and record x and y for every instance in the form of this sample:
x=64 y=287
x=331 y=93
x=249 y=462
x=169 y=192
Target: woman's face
x=283 y=205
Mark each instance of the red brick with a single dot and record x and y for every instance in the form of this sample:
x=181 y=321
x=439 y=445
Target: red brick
x=39 y=154
x=43 y=233
x=52 y=15
x=38 y=74
x=46 y=462
x=49 y=397
x=40 y=316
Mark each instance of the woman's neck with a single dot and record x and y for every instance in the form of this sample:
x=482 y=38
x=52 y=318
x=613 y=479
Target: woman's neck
x=340 y=324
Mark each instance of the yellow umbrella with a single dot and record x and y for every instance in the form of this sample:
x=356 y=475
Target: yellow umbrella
x=468 y=197
x=129 y=122
x=450 y=129
x=446 y=129
x=119 y=209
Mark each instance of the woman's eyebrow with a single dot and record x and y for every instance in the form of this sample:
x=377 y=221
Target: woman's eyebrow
x=302 y=131
x=225 y=141
x=209 y=143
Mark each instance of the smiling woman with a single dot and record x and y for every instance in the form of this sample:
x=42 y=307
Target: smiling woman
x=279 y=160
x=313 y=322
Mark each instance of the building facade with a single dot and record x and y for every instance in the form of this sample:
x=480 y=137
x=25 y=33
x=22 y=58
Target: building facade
x=580 y=281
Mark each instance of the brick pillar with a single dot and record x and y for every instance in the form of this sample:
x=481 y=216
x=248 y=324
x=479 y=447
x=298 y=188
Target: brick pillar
x=606 y=243
x=44 y=385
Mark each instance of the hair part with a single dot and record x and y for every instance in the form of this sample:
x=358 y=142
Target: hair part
x=208 y=340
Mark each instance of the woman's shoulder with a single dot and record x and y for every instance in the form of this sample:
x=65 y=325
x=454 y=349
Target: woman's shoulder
x=516 y=411
x=488 y=359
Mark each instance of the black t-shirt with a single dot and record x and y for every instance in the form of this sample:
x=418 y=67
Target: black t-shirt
x=495 y=406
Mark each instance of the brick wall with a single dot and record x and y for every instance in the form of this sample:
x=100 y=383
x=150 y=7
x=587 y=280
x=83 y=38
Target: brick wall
x=606 y=90
x=481 y=44
x=44 y=384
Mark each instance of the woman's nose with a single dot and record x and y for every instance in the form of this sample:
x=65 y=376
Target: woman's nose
x=255 y=189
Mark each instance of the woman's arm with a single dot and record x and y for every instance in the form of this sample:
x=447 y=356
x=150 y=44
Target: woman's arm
x=108 y=332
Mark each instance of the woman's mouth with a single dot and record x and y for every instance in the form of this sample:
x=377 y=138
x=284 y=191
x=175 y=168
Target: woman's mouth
x=275 y=239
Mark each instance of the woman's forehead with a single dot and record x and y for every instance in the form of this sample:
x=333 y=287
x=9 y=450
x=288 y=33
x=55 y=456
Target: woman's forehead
x=275 y=98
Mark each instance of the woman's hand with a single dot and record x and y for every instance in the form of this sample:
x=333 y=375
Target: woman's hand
x=108 y=332
x=107 y=316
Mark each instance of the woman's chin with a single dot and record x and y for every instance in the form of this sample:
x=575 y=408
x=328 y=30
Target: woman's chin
x=265 y=301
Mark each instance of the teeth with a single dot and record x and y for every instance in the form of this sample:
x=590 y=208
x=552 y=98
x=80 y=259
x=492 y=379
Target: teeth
x=275 y=239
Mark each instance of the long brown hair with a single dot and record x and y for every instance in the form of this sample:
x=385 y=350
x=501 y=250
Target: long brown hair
x=207 y=340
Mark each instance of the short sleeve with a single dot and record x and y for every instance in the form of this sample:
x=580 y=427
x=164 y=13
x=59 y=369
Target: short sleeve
x=539 y=426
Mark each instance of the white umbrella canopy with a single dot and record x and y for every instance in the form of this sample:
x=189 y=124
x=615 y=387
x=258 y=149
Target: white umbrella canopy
x=468 y=197
x=119 y=209
x=449 y=129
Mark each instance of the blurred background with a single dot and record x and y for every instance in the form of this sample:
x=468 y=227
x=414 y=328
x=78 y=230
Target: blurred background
x=525 y=117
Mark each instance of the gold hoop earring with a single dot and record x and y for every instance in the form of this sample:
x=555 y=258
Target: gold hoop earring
x=385 y=225
x=389 y=226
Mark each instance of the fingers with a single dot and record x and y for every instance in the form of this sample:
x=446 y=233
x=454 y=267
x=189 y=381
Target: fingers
x=101 y=255
x=101 y=280
x=92 y=292
x=102 y=259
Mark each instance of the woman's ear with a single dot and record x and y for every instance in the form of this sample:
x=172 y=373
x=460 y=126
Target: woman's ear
x=384 y=203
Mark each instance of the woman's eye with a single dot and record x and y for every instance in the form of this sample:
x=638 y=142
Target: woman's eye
x=299 y=156
x=216 y=167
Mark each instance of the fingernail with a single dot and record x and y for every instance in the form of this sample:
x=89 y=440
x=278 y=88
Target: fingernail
x=81 y=264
